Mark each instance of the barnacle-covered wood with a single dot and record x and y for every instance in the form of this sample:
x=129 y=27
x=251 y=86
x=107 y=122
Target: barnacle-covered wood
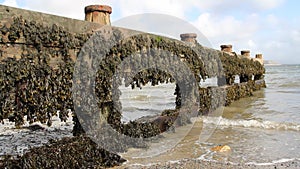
x=242 y=66
x=36 y=81
x=36 y=75
x=156 y=60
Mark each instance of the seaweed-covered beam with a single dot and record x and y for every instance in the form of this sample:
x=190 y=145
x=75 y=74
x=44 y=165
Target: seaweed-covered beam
x=40 y=57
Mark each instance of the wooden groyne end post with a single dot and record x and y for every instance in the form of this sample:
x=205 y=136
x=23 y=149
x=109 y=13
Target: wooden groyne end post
x=98 y=14
x=189 y=37
x=226 y=48
x=245 y=53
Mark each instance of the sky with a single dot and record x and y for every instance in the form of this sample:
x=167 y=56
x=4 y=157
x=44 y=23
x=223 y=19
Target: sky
x=270 y=27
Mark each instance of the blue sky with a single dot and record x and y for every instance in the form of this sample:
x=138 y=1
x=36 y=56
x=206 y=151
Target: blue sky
x=270 y=27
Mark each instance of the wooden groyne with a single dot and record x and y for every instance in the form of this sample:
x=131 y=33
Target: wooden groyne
x=38 y=58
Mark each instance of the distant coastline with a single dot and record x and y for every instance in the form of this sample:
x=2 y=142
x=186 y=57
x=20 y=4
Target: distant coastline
x=271 y=62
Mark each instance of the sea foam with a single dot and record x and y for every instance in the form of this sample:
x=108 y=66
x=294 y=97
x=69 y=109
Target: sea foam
x=251 y=123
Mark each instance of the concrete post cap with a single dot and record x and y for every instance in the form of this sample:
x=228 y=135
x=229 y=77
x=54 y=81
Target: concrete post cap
x=99 y=8
x=188 y=35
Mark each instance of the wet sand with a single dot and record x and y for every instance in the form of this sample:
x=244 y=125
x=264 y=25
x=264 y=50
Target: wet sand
x=181 y=157
x=198 y=164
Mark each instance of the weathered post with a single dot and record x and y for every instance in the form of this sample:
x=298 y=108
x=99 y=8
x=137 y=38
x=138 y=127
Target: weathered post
x=245 y=53
x=226 y=48
x=189 y=37
x=98 y=14
x=244 y=77
x=222 y=80
x=259 y=58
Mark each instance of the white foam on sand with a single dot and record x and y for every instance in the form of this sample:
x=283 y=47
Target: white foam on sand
x=223 y=122
x=284 y=160
x=15 y=141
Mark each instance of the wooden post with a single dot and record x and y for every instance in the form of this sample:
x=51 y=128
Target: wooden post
x=98 y=14
x=245 y=53
x=189 y=37
x=226 y=48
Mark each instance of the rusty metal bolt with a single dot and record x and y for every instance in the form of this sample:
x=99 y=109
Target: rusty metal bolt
x=98 y=14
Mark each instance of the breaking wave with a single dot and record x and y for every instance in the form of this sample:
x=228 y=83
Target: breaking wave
x=251 y=123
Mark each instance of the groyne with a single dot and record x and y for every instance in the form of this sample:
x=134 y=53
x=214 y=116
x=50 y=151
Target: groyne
x=39 y=56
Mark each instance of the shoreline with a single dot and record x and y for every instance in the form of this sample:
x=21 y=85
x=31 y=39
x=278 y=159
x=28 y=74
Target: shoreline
x=197 y=163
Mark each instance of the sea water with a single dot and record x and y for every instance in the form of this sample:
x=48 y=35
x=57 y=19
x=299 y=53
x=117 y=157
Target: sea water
x=262 y=129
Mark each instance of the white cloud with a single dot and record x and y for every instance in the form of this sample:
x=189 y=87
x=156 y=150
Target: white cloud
x=227 y=28
x=12 y=3
x=267 y=4
x=233 y=5
x=282 y=46
x=251 y=44
x=74 y=8
x=247 y=24
x=122 y=8
x=170 y=7
x=295 y=35
x=67 y=8
x=272 y=20
x=214 y=26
